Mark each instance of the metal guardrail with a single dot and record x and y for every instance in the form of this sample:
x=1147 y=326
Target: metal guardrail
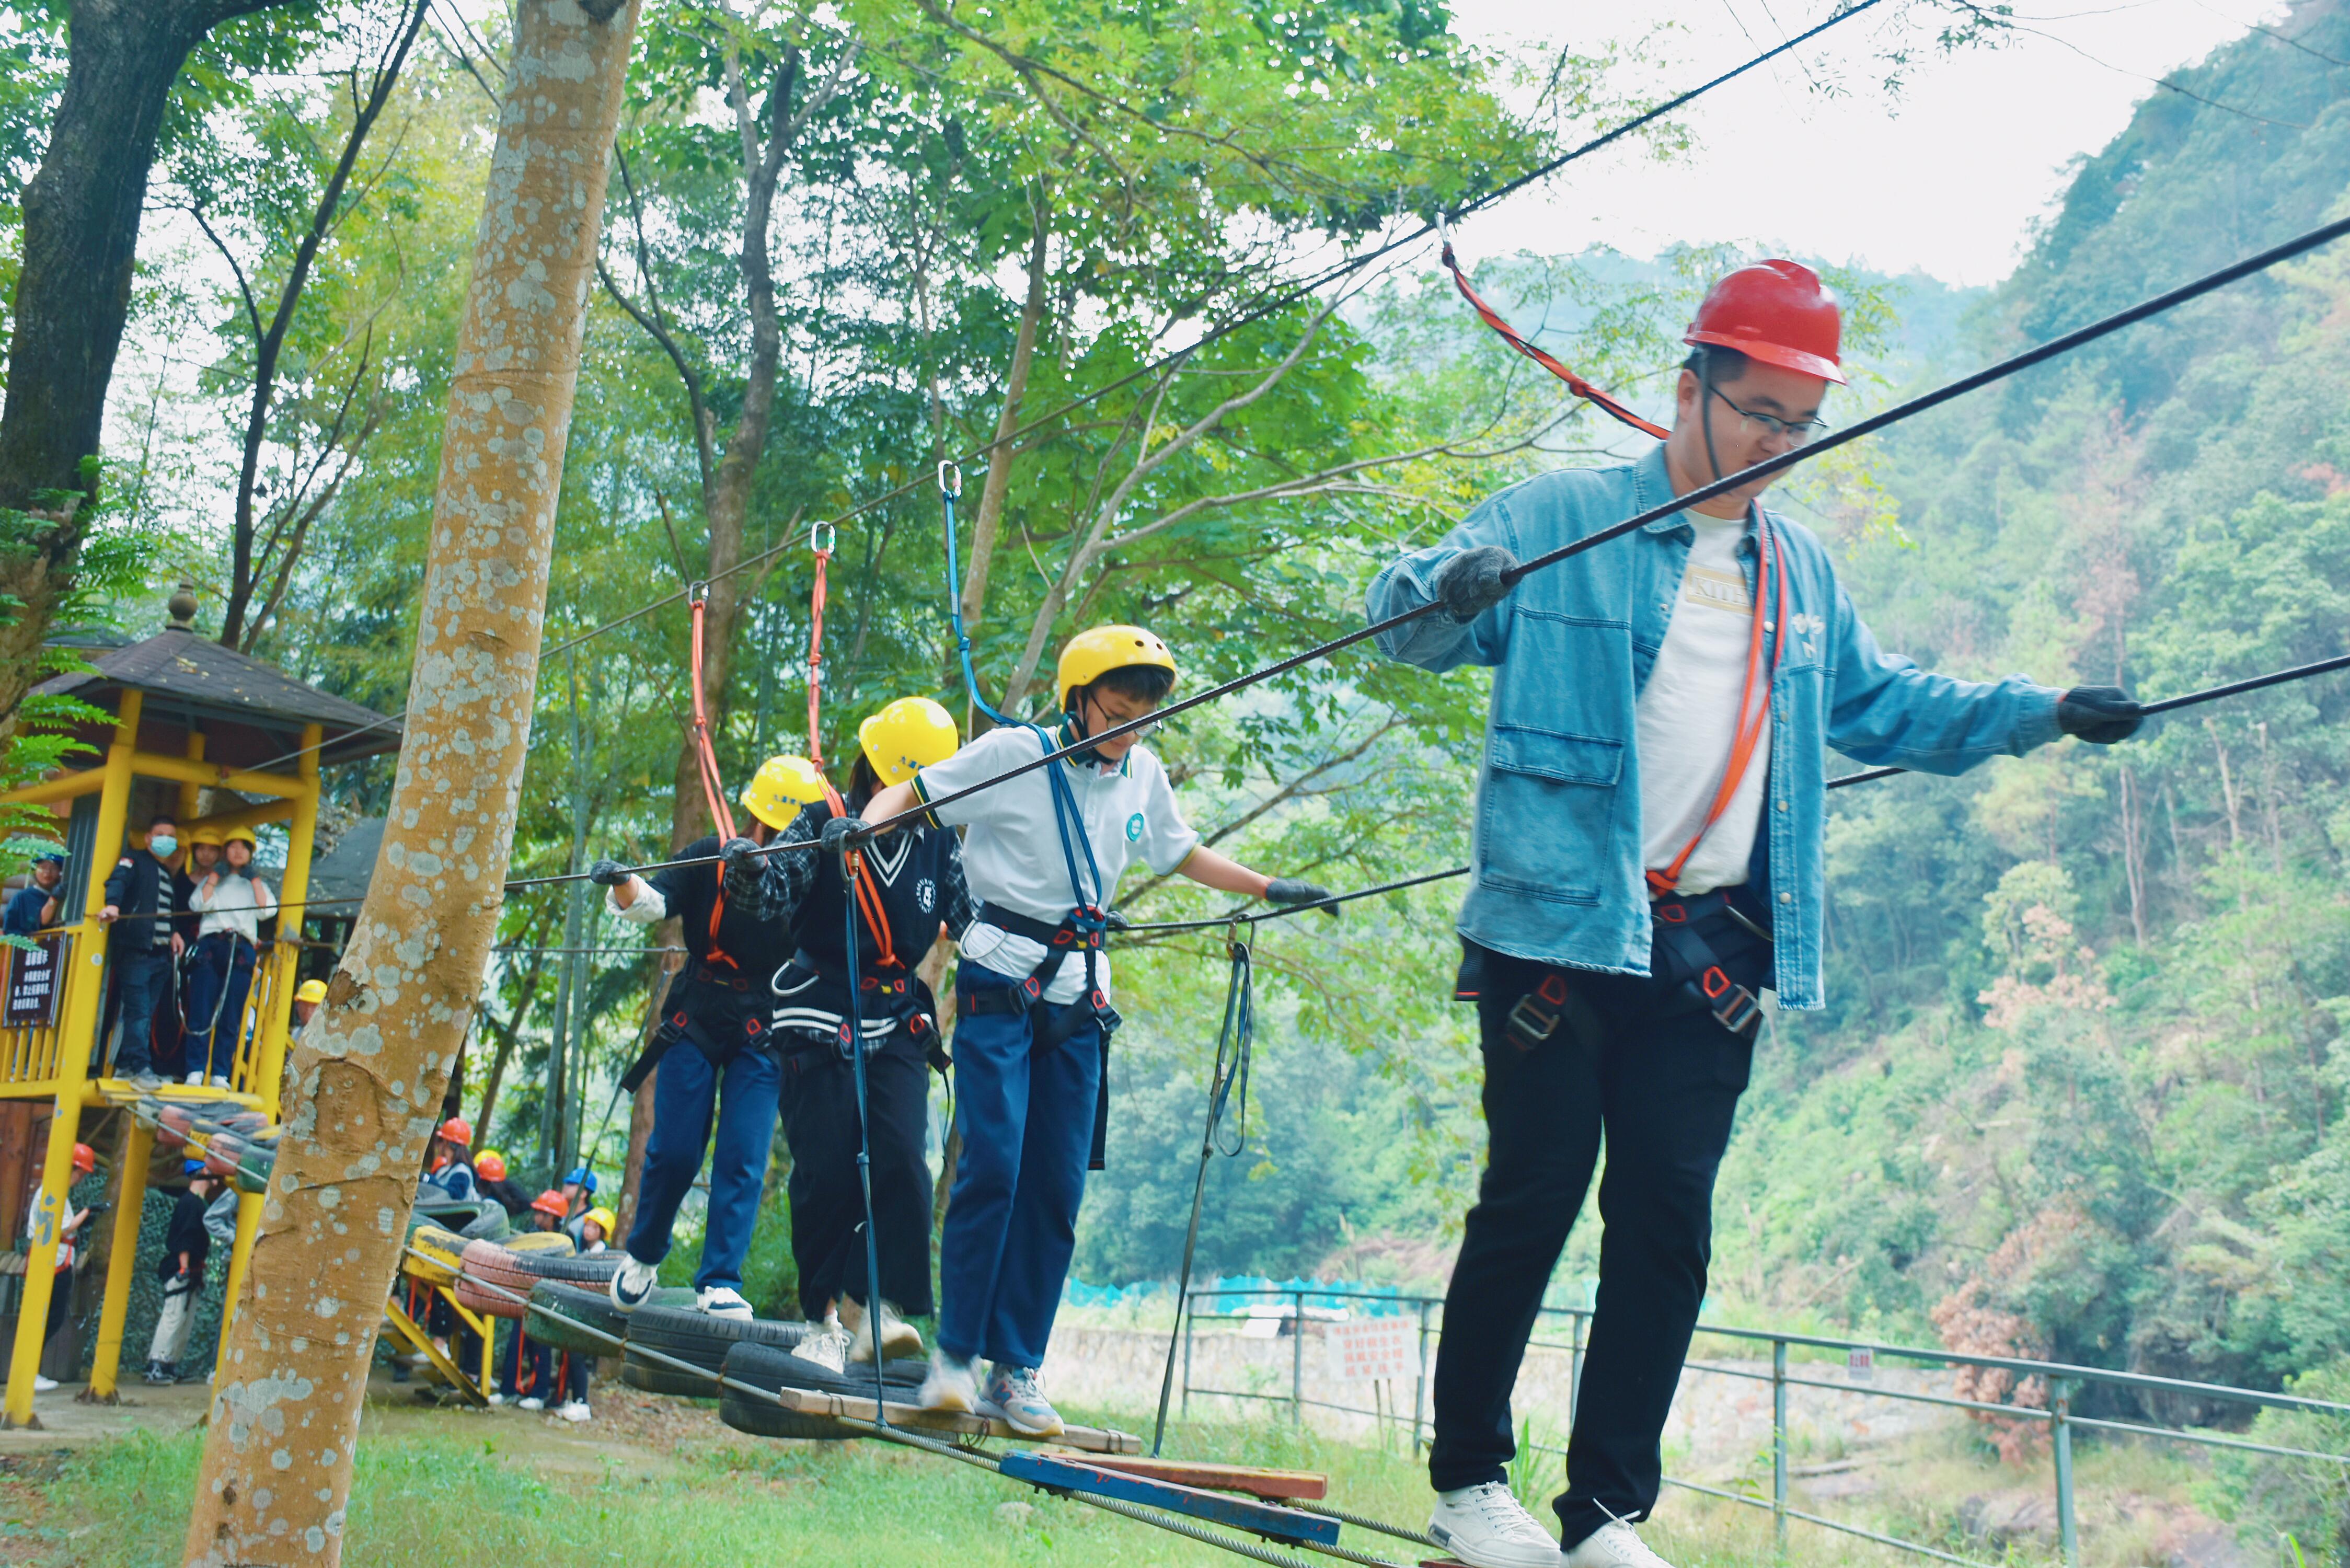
x=2064 y=1380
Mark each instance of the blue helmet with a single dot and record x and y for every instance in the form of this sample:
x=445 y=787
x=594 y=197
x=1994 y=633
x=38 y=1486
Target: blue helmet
x=582 y=1178
x=193 y=1167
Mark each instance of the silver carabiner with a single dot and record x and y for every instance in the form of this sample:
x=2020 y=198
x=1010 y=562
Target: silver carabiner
x=698 y=591
x=821 y=536
x=947 y=486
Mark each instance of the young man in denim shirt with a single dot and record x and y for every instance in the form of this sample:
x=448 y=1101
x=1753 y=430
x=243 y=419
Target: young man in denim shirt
x=1648 y=859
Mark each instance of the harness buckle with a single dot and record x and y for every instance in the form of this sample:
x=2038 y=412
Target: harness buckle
x=1033 y=987
x=1672 y=912
x=1530 y=1023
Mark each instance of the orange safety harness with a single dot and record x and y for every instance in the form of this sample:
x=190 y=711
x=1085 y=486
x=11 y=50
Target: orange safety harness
x=821 y=539
x=1754 y=704
x=1510 y=335
x=713 y=788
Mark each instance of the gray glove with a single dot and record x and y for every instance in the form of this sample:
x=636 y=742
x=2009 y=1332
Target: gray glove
x=1293 y=890
x=843 y=832
x=742 y=857
x=608 y=874
x=2098 y=714
x=1474 y=581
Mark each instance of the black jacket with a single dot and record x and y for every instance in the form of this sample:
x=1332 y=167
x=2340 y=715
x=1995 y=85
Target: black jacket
x=185 y=1233
x=140 y=885
x=720 y=995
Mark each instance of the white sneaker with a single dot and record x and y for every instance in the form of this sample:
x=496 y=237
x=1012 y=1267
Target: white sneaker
x=722 y=1301
x=899 y=1337
x=953 y=1385
x=220 y=1080
x=494 y=1398
x=824 y=1344
x=1614 y=1544
x=574 y=1410
x=43 y=1384
x=1013 y=1394
x=530 y=1401
x=634 y=1283
x=1486 y=1527
x=196 y=1080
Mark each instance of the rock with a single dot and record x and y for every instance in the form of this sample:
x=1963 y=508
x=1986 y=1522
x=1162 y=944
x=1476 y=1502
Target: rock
x=1015 y=1515
x=2001 y=1517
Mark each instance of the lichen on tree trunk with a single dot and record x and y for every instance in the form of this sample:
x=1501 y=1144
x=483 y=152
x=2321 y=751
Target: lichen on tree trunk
x=366 y=1078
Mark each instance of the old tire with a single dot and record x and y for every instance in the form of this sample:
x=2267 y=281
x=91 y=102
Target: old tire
x=697 y=1337
x=435 y=1255
x=591 y=1308
x=590 y=1268
x=489 y=1282
x=767 y=1366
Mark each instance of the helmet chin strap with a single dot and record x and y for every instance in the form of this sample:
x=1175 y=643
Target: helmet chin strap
x=1091 y=755
x=1705 y=408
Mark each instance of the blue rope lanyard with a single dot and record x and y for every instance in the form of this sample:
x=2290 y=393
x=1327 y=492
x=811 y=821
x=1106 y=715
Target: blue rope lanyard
x=853 y=1041
x=950 y=487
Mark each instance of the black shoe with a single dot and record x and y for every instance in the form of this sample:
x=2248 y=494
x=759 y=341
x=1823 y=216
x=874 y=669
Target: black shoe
x=163 y=1372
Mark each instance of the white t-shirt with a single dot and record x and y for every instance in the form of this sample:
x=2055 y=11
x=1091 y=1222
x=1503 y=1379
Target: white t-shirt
x=1012 y=852
x=1687 y=718
x=232 y=904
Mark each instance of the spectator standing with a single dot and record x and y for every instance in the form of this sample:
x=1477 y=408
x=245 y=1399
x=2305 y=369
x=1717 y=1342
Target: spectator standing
x=141 y=943
x=84 y=1160
x=34 y=907
x=187 y=1244
x=232 y=901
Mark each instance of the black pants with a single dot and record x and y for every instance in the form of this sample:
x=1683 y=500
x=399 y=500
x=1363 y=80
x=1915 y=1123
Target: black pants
x=819 y=1104
x=1662 y=1086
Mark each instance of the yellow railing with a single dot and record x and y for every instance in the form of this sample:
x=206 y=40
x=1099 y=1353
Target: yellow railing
x=269 y=972
x=30 y=1054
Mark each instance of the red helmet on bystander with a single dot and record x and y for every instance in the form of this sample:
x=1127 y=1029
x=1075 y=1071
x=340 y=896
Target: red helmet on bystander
x=1775 y=311
x=491 y=1167
x=459 y=1131
x=551 y=1202
x=84 y=1158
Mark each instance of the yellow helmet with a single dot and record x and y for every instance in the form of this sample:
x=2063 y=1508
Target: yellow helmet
x=310 y=991
x=909 y=735
x=1094 y=653
x=780 y=787
x=239 y=834
x=605 y=1220
x=211 y=835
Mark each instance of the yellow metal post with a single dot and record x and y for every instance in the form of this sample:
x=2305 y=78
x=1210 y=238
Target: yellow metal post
x=77 y=1037
x=269 y=1064
x=121 y=1260
x=188 y=788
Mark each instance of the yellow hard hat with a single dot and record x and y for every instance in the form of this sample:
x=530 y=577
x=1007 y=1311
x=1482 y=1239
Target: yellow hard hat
x=909 y=735
x=211 y=835
x=310 y=991
x=780 y=787
x=605 y=1220
x=1092 y=654
x=240 y=833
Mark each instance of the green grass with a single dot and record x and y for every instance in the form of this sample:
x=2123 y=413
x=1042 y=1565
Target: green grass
x=453 y=1490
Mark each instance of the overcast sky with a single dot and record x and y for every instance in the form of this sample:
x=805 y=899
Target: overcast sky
x=1947 y=177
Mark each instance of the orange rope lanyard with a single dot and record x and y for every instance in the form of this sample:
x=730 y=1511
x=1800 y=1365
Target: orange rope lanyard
x=1510 y=335
x=820 y=540
x=713 y=787
x=868 y=900
x=1752 y=714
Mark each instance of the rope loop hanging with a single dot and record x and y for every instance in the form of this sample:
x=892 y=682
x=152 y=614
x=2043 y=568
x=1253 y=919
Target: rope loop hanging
x=1548 y=361
x=821 y=539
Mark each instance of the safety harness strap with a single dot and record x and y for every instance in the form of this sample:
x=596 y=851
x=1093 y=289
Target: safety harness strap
x=1574 y=383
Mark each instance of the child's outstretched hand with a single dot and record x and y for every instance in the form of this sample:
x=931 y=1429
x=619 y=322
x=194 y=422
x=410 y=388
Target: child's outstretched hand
x=1296 y=890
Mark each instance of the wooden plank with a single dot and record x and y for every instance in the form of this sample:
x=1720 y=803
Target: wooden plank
x=1277 y=1485
x=1063 y=1473
x=1092 y=1439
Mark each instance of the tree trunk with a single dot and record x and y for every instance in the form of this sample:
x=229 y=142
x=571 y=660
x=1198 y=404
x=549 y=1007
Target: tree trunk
x=1000 y=459
x=81 y=237
x=368 y=1073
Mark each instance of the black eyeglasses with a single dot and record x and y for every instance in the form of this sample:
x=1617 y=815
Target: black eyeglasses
x=1798 y=432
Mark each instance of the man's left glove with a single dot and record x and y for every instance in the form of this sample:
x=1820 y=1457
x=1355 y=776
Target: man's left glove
x=842 y=834
x=1294 y=891
x=2098 y=714
x=610 y=874
x=742 y=856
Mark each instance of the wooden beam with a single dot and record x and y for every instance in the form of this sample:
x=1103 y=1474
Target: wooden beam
x=1277 y=1485
x=1065 y=1473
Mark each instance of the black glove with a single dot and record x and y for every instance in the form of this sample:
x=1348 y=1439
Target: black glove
x=1115 y=921
x=842 y=834
x=1292 y=890
x=610 y=874
x=1473 y=581
x=2098 y=714
x=742 y=856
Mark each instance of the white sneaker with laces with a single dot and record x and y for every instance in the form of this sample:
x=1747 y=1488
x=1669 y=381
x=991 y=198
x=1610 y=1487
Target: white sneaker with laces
x=824 y=1344
x=953 y=1385
x=722 y=1300
x=574 y=1410
x=43 y=1384
x=1614 y=1544
x=1486 y=1527
x=220 y=1080
x=634 y=1283
x=1013 y=1394
x=530 y=1401
x=196 y=1080
x=899 y=1337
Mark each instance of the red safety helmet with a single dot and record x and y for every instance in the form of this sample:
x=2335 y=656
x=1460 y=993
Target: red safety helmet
x=84 y=1158
x=491 y=1167
x=459 y=1131
x=1775 y=311
x=551 y=1202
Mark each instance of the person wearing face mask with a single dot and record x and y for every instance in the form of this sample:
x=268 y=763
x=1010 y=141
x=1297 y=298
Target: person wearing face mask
x=233 y=902
x=34 y=907
x=139 y=942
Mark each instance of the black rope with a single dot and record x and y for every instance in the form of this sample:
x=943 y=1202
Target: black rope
x=1239 y=917
x=1233 y=1042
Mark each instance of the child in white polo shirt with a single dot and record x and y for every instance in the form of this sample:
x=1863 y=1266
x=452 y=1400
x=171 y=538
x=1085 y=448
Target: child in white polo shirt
x=1042 y=856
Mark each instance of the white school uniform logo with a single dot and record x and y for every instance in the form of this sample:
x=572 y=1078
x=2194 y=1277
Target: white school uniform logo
x=1134 y=828
x=926 y=894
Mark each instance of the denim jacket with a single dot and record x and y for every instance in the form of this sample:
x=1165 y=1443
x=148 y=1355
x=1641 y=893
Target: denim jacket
x=1557 y=872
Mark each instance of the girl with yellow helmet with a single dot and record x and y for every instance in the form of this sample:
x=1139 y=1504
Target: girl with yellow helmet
x=907 y=894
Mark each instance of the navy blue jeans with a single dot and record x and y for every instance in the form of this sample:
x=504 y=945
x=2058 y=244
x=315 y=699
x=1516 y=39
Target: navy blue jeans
x=145 y=979
x=1027 y=1124
x=687 y=1092
x=218 y=981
